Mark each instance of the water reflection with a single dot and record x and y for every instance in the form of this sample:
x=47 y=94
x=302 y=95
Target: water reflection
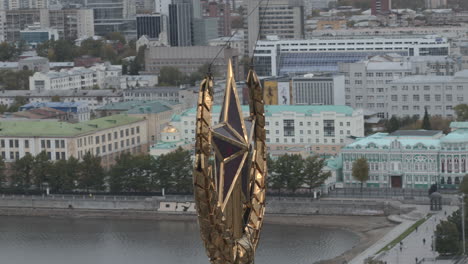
x=78 y=241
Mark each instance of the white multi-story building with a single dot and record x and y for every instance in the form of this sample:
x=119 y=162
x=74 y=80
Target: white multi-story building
x=101 y=75
x=73 y=23
x=365 y=82
x=94 y=98
x=278 y=57
x=438 y=94
x=318 y=90
x=444 y=31
x=321 y=129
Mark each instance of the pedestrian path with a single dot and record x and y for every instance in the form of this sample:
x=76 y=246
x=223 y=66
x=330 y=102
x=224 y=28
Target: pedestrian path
x=418 y=244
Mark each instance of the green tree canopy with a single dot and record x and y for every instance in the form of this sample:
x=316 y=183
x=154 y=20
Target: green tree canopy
x=8 y=52
x=447 y=238
x=91 y=173
x=360 y=171
x=22 y=168
x=290 y=170
x=181 y=170
x=392 y=125
x=426 y=124
x=314 y=175
x=64 y=175
x=41 y=169
x=464 y=185
x=171 y=76
x=15 y=80
x=461 y=111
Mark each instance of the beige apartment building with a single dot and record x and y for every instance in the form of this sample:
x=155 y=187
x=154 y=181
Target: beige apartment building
x=105 y=137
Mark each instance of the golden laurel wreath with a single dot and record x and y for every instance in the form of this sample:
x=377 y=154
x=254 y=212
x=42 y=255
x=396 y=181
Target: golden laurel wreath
x=229 y=172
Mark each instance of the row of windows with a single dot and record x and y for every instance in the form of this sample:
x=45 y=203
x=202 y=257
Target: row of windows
x=302 y=140
x=427 y=97
x=110 y=147
x=309 y=132
x=309 y=123
x=14 y=155
x=102 y=138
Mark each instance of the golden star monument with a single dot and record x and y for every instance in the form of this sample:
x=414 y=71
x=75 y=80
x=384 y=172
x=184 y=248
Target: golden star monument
x=230 y=171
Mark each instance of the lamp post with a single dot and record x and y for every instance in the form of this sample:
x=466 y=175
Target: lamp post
x=463 y=221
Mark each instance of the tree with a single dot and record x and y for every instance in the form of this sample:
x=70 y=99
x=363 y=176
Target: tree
x=22 y=172
x=181 y=161
x=314 y=176
x=464 y=185
x=447 y=238
x=117 y=173
x=55 y=98
x=124 y=68
x=19 y=101
x=162 y=173
x=462 y=112
x=7 y=52
x=116 y=36
x=91 y=175
x=131 y=174
x=392 y=125
x=171 y=76
x=15 y=80
x=426 y=124
x=290 y=170
x=360 y=170
x=64 y=175
x=41 y=169
x=2 y=171
x=134 y=67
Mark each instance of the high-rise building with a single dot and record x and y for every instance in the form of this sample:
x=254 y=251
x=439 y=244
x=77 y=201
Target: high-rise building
x=204 y=29
x=381 y=7
x=113 y=15
x=72 y=23
x=145 y=6
x=20 y=19
x=434 y=4
x=150 y=25
x=283 y=18
x=162 y=6
x=180 y=23
x=25 y=4
x=220 y=10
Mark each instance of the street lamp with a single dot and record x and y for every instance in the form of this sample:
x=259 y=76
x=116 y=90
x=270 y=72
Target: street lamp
x=463 y=220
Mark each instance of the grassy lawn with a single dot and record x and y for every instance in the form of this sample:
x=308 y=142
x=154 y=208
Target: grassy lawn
x=404 y=234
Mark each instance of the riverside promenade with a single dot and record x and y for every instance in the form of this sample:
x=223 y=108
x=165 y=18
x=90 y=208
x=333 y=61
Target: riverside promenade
x=417 y=246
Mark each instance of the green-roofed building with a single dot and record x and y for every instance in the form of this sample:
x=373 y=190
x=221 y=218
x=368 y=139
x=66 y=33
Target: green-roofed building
x=106 y=137
x=157 y=112
x=410 y=158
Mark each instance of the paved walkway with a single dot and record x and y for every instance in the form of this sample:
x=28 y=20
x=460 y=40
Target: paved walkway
x=413 y=246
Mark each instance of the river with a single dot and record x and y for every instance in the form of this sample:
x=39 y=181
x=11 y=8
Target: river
x=37 y=240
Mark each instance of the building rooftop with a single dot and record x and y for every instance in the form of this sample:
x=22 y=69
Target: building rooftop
x=417 y=133
x=140 y=107
x=54 y=104
x=273 y=109
x=419 y=79
x=61 y=93
x=384 y=140
x=45 y=128
x=459 y=125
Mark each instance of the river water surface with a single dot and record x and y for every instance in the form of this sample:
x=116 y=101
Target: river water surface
x=27 y=240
